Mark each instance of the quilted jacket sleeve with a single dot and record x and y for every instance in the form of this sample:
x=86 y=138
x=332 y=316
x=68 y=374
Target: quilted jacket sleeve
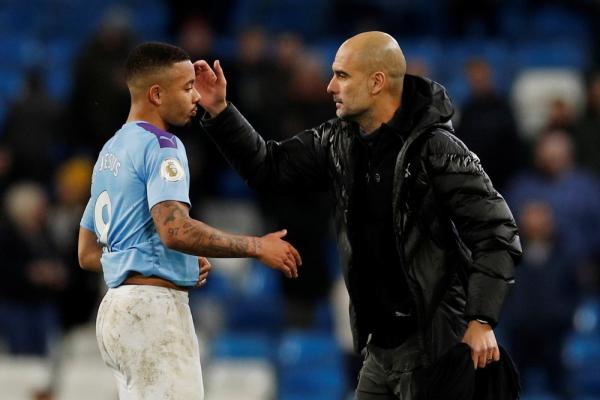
x=292 y=165
x=483 y=221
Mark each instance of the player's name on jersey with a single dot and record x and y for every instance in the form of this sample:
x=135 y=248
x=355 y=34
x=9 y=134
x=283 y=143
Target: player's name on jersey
x=109 y=162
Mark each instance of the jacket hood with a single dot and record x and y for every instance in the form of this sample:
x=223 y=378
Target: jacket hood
x=427 y=102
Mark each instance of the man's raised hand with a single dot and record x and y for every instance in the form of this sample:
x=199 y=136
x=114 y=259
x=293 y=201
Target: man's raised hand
x=212 y=86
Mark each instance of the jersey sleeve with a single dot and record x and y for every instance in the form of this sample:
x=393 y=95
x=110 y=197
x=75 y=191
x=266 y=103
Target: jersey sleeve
x=167 y=174
x=87 y=220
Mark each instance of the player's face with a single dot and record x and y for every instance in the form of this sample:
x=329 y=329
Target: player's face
x=180 y=99
x=349 y=86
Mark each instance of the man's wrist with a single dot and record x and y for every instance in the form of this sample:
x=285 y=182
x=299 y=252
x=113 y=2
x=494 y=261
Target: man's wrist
x=218 y=109
x=256 y=246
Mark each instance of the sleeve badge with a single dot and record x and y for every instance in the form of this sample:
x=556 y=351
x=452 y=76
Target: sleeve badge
x=171 y=170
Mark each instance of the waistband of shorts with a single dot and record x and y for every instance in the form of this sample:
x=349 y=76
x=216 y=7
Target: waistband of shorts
x=138 y=279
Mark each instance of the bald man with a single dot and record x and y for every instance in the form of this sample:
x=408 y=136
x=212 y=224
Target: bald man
x=136 y=229
x=427 y=245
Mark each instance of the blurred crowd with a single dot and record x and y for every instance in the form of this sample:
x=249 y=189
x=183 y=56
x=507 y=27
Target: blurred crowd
x=538 y=140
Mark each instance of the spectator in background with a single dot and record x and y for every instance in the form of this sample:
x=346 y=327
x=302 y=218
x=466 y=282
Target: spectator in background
x=587 y=130
x=572 y=194
x=72 y=190
x=487 y=125
x=560 y=116
x=254 y=88
x=32 y=272
x=30 y=144
x=473 y=18
x=100 y=100
x=33 y=276
x=546 y=276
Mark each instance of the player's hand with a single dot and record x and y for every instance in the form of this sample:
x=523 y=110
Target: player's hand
x=204 y=266
x=482 y=341
x=279 y=254
x=212 y=86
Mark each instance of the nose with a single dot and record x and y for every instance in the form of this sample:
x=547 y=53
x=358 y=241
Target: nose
x=196 y=96
x=331 y=86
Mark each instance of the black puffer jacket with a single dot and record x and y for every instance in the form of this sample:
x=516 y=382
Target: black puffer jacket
x=456 y=237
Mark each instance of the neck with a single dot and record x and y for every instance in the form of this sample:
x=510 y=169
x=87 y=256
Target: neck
x=380 y=113
x=140 y=113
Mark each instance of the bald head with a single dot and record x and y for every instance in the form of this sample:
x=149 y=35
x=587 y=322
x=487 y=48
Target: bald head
x=377 y=51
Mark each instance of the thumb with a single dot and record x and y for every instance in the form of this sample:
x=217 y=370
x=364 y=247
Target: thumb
x=281 y=233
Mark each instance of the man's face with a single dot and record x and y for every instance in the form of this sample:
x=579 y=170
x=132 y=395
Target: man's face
x=349 y=85
x=179 y=98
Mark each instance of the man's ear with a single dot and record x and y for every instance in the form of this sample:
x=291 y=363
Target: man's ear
x=377 y=82
x=154 y=95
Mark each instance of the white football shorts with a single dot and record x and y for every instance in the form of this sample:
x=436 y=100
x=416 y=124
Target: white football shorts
x=146 y=336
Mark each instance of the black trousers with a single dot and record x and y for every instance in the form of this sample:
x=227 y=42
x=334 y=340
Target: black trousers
x=388 y=374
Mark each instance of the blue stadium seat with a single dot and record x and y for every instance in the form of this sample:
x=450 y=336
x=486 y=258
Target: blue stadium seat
x=261 y=281
x=539 y=396
x=587 y=317
x=308 y=349
x=559 y=53
x=582 y=350
x=242 y=346
x=311 y=383
x=324 y=320
x=233 y=187
x=59 y=82
x=3 y=112
x=429 y=51
x=150 y=20
x=256 y=304
x=260 y=314
x=20 y=51
x=310 y=365
x=553 y=22
x=10 y=84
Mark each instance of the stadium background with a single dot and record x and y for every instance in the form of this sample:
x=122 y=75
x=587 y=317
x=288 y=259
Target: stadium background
x=523 y=75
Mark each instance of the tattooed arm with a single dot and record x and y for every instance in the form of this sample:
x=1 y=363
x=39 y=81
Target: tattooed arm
x=178 y=231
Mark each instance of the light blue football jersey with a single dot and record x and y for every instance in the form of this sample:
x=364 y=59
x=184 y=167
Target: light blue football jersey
x=140 y=166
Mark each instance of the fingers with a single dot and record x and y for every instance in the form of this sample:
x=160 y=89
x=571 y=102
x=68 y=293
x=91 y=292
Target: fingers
x=286 y=270
x=290 y=263
x=496 y=354
x=484 y=357
x=201 y=67
x=204 y=264
x=219 y=71
x=296 y=255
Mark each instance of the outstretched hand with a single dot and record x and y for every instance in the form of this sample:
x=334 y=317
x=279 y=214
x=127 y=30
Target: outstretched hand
x=482 y=341
x=212 y=86
x=279 y=254
x=204 y=266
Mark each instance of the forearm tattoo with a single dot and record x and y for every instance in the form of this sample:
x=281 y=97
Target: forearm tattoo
x=198 y=238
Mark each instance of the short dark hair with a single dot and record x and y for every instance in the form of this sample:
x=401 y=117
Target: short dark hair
x=151 y=56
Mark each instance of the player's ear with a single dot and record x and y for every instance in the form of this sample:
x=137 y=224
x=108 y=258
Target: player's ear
x=154 y=95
